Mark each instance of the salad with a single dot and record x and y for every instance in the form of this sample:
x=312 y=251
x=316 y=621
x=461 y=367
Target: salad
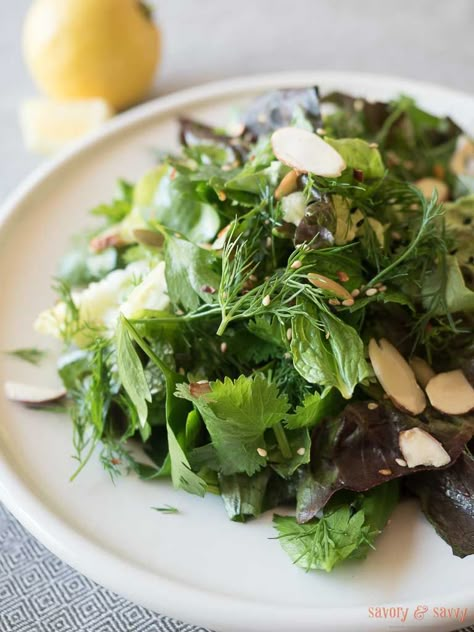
x=282 y=314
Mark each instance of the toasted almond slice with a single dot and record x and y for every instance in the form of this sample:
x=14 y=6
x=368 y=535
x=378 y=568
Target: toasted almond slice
x=219 y=242
x=331 y=286
x=418 y=447
x=428 y=185
x=422 y=370
x=306 y=152
x=451 y=393
x=396 y=376
x=288 y=184
x=148 y=237
x=32 y=395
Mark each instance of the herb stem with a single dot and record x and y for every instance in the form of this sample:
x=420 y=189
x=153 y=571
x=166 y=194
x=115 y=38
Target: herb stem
x=282 y=440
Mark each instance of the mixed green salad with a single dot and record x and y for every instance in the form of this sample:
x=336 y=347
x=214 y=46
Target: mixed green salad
x=282 y=314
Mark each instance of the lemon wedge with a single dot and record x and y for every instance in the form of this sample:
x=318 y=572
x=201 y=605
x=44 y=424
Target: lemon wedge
x=48 y=126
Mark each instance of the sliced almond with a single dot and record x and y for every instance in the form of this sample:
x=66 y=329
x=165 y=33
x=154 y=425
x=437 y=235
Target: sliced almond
x=451 y=393
x=429 y=185
x=148 y=237
x=462 y=161
x=306 y=152
x=219 y=242
x=418 y=447
x=331 y=286
x=288 y=184
x=422 y=370
x=396 y=376
x=33 y=395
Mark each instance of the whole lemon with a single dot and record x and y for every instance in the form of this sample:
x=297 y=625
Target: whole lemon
x=80 y=49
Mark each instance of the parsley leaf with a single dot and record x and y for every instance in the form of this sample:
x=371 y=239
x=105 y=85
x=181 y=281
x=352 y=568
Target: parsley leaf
x=347 y=529
x=237 y=413
x=314 y=408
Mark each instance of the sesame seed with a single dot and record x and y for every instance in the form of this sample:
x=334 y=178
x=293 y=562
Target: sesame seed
x=348 y=302
x=268 y=242
x=396 y=235
x=401 y=462
x=321 y=131
x=386 y=472
x=301 y=451
x=296 y=264
x=373 y=145
x=355 y=293
x=223 y=347
x=342 y=276
x=253 y=278
x=179 y=312
x=181 y=371
x=372 y=406
x=372 y=291
x=328 y=335
x=262 y=452
x=266 y=222
x=287 y=356
x=289 y=334
x=226 y=167
x=358 y=105
x=383 y=288
x=266 y=300
x=377 y=285
x=261 y=118
x=222 y=196
x=334 y=301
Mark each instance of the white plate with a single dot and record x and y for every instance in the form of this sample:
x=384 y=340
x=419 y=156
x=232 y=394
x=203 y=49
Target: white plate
x=197 y=565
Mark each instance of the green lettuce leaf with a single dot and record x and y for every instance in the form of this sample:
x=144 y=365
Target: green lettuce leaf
x=358 y=154
x=192 y=273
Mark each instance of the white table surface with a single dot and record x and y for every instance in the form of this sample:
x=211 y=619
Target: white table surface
x=213 y=39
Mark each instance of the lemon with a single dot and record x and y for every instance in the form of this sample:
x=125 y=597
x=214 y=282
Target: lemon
x=77 y=49
x=48 y=126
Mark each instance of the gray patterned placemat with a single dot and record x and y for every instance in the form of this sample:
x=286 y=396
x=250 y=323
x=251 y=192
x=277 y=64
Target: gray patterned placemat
x=39 y=593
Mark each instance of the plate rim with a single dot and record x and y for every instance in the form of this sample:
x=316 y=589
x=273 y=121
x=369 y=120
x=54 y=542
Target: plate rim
x=104 y=567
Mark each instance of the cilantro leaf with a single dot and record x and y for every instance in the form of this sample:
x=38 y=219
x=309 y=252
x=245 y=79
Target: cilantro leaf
x=191 y=273
x=314 y=408
x=347 y=529
x=237 y=413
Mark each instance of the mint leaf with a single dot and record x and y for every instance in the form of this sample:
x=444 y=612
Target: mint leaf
x=131 y=373
x=347 y=529
x=331 y=354
x=237 y=413
x=191 y=273
x=358 y=154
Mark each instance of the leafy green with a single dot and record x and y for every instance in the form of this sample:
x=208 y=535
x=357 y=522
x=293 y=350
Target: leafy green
x=243 y=496
x=32 y=355
x=314 y=409
x=347 y=529
x=132 y=375
x=120 y=206
x=192 y=273
x=237 y=413
x=450 y=283
x=176 y=414
x=328 y=352
x=358 y=154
